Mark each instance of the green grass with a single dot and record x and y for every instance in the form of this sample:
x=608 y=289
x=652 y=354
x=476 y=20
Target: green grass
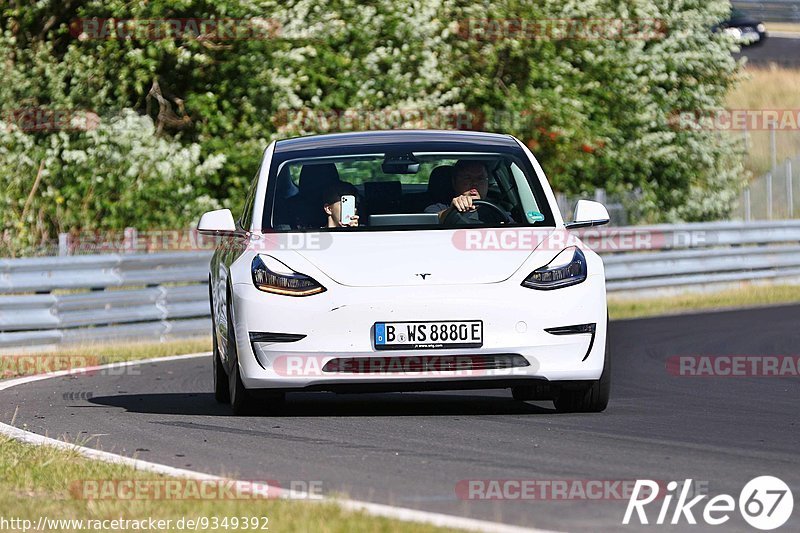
x=97 y=354
x=749 y=296
x=40 y=481
x=115 y=352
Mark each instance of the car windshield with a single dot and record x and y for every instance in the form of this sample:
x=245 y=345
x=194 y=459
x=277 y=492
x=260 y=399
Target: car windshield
x=405 y=190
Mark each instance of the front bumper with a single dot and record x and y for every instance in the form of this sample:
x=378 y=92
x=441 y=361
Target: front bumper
x=338 y=324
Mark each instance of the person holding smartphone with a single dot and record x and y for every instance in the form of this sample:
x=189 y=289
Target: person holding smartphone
x=340 y=205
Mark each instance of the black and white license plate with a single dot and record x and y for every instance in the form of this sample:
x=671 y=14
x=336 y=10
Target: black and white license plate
x=427 y=335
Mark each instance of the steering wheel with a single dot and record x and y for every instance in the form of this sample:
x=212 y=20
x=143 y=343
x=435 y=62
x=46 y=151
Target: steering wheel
x=454 y=217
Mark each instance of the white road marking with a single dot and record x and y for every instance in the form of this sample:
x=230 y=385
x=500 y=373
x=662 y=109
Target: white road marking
x=375 y=509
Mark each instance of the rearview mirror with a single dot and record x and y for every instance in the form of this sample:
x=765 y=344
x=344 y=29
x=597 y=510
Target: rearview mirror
x=216 y=222
x=400 y=164
x=588 y=213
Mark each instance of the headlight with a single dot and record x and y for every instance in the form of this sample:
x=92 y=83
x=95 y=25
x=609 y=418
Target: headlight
x=270 y=275
x=567 y=268
x=761 y=28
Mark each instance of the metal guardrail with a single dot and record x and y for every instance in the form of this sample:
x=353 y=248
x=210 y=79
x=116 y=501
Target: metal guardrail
x=121 y=296
x=771 y=11
x=699 y=255
x=54 y=300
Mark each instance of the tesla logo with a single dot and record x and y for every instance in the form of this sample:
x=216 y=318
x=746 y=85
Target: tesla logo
x=423 y=276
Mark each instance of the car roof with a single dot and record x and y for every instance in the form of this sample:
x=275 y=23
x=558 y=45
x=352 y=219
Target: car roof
x=436 y=139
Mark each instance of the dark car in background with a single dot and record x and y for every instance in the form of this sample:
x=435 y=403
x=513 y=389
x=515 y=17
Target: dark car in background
x=746 y=30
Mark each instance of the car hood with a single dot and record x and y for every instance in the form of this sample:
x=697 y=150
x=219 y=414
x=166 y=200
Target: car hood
x=425 y=257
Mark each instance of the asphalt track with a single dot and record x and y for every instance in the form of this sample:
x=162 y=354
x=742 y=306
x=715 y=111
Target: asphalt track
x=412 y=449
x=784 y=51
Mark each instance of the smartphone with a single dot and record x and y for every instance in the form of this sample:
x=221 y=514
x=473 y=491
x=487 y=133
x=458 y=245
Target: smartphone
x=348 y=208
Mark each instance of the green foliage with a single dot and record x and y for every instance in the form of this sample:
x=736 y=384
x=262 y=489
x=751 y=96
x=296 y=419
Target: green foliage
x=596 y=112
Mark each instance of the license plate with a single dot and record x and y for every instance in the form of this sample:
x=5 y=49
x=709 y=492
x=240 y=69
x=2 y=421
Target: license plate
x=428 y=335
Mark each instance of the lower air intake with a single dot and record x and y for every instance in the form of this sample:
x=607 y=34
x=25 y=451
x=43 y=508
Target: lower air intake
x=427 y=363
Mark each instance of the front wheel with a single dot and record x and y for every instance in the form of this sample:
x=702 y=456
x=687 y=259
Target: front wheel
x=593 y=399
x=222 y=393
x=221 y=390
x=240 y=400
x=241 y=403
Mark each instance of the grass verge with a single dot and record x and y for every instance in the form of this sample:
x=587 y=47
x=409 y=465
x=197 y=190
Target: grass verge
x=768 y=89
x=126 y=351
x=68 y=358
x=748 y=296
x=40 y=481
x=788 y=27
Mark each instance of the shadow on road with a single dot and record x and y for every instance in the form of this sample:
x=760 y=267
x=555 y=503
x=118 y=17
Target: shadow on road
x=328 y=404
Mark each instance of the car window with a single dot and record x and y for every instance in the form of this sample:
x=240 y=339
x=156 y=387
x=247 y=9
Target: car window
x=405 y=190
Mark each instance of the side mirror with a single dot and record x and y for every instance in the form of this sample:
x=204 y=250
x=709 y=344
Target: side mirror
x=216 y=222
x=588 y=213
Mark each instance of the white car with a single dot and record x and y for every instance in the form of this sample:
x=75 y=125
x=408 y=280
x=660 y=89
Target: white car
x=457 y=273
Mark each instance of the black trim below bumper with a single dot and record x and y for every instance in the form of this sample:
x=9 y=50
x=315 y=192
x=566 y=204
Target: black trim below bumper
x=577 y=329
x=266 y=336
x=411 y=386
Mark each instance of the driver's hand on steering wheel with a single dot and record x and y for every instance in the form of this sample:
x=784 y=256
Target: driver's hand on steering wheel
x=463 y=202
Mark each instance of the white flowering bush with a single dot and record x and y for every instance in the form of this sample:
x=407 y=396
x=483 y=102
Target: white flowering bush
x=117 y=175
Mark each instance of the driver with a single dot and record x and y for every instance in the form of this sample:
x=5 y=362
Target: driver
x=471 y=182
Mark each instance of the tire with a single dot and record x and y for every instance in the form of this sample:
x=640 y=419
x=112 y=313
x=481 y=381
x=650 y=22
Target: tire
x=240 y=400
x=593 y=399
x=222 y=392
x=241 y=403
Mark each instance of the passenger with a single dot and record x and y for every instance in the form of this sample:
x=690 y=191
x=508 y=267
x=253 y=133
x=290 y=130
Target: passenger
x=332 y=205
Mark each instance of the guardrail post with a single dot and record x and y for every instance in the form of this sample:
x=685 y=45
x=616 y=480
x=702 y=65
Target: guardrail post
x=789 y=192
x=600 y=196
x=769 y=196
x=746 y=201
x=131 y=237
x=63 y=244
x=773 y=147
